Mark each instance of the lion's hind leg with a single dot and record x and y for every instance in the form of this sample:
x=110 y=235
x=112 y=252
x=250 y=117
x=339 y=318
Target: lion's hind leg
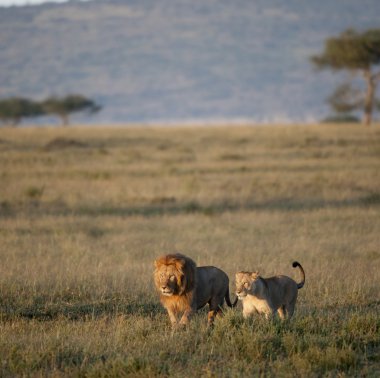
x=215 y=310
x=211 y=316
x=290 y=308
x=282 y=312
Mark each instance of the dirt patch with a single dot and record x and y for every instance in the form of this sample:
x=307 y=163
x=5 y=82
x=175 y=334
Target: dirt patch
x=63 y=143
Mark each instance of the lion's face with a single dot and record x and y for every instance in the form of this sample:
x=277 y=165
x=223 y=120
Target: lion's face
x=245 y=283
x=168 y=279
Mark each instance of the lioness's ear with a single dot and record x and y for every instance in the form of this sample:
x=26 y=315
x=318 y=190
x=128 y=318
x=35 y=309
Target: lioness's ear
x=255 y=274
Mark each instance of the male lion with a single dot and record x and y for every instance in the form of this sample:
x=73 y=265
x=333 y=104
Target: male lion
x=268 y=295
x=184 y=288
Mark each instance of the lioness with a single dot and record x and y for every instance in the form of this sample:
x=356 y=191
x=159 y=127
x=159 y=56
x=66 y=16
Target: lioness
x=184 y=288
x=268 y=295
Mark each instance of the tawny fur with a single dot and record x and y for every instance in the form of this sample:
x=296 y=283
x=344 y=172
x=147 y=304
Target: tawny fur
x=184 y=288
x=268 y=295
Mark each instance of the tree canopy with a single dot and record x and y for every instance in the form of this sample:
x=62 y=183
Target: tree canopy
x=13 y=109
x=350 y=50
x=63 y=107
x=358 y=53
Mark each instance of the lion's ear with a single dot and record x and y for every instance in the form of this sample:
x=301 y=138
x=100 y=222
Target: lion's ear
x=255 y=274
x=180 y=264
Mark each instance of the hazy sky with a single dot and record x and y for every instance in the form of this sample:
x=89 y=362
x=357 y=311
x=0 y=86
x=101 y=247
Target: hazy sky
x=23 y=2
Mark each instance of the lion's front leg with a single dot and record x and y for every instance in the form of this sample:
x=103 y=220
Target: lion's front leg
x=172 y=317
x=269 y=314
x=246 y=314
x=248 y=310
x=186 y=317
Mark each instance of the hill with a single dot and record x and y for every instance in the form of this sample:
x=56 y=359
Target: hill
x=162 y=61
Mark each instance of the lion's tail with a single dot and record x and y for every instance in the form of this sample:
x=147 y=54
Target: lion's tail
x=295 y=264
x=228 y=301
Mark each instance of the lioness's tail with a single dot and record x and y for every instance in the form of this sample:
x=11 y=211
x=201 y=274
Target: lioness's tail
x=228 y=301
x=295 y=264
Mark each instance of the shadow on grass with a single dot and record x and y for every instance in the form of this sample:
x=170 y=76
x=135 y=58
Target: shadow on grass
x=84 y=311
x=192 y=207
x=364 y=307
x=282 y=204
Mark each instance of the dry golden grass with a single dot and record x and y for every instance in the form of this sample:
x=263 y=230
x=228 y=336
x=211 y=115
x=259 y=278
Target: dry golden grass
x=84 y=212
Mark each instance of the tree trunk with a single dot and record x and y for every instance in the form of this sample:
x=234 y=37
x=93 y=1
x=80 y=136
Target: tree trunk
x=14 y=121
x=64 y=119
x=369 y=97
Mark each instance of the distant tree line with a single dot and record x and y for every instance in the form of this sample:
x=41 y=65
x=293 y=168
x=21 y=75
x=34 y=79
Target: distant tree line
x=14 y=109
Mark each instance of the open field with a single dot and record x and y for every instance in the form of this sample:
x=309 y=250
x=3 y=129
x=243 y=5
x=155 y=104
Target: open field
x=84 y=212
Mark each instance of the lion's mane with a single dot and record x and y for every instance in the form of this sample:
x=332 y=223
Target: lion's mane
x=185 y=273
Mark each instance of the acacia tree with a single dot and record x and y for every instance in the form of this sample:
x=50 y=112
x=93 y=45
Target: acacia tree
x=63 y=107
x=13 y=109
x=358 y=53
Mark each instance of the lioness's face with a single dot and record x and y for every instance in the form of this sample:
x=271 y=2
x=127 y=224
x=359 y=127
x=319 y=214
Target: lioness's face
x=245 y=282
x=167 y=279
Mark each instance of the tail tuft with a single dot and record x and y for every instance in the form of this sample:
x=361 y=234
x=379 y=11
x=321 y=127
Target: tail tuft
x=295 y=265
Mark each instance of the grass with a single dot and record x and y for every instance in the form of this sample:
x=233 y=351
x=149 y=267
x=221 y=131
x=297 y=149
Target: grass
x=84 y=212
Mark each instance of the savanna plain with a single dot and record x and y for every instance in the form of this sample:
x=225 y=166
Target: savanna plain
x=85 y=211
